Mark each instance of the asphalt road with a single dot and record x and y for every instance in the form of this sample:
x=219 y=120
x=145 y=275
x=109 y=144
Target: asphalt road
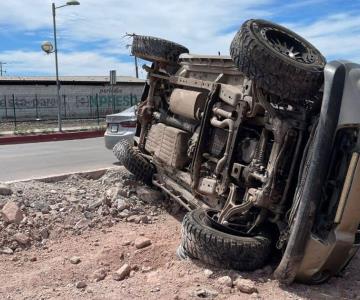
x=23 y=161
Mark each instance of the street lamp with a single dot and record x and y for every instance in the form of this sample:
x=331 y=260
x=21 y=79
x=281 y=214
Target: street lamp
x=49 y=48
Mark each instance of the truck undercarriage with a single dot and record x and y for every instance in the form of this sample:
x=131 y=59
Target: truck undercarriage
x=249 y=154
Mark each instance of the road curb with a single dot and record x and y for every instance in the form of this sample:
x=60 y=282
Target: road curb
x=58 y=136
x=90 y=174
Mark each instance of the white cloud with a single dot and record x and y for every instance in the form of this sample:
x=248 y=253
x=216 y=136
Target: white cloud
x=336 y=36
x=196 y=24
x=203 y=26
x=82 y=63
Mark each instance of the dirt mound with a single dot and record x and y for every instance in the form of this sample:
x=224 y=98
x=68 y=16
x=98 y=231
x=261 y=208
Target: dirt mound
x=76 y=204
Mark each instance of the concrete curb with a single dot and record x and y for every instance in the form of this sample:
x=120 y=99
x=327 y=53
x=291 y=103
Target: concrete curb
x=58 y=136
x=91 y=174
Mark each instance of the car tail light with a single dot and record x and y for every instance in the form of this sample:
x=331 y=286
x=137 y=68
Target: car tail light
x=128 y=124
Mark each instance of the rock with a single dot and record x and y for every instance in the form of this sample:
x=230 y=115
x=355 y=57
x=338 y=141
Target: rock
x=132 y=273
x=122 y=273
x=110 y=193
x=225 y=281
x=6 y=250
x=142 y=242
x=126 y=243
x=208 y=273
x=53 y=192
x=122 y=204
x=72 y=190
x=80 y=285
x=205 y=293
x=75 y=260
x=44 y=233
x=41 y=206
x=83 y=223
x=155 y=289
x=21 y=238
x=33 y=258
x=145 y=269
x=147 y=194
x=72 y=199
x=11 y=213
x=134 y=219
x=144 y=219
x=103 y=211
x=245 y=286
x=94 y=205
x=99 y=275
x=124 y=214
x=5 y=190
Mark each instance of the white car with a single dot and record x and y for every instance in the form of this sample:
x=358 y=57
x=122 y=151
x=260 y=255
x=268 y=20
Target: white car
x=120 y=126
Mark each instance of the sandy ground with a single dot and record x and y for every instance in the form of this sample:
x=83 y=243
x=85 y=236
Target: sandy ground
x=44 y=271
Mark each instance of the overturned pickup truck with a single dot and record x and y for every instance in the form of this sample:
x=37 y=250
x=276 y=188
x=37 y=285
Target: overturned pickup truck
x=261 y=147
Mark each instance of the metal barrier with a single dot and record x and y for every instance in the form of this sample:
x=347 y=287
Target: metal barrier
x=36 y=109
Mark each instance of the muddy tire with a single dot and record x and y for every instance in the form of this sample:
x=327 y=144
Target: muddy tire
x=201 y=241
x=132 y=160
x=278 y=60
x=156 y=49
x=119 y=150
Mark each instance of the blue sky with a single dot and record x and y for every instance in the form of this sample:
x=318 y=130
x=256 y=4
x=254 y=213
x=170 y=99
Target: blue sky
x=91 y=36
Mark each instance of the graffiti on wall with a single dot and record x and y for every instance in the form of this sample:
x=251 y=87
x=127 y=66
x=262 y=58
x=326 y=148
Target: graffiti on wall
x=80 y=101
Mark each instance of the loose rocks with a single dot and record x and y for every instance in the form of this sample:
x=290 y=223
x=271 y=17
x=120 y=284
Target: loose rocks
x=22 y=238
x=208 y=273
x=75 y=260
x=11 y=213
x=245 y=286
x=99 y=275
x=80 y=284
x=225 y=281
x=5 y=190
x=149 y=195
x=122 y=273
x=6 y=250
x=142 y=242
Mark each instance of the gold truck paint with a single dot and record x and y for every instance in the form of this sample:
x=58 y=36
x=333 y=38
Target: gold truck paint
x=324 y=258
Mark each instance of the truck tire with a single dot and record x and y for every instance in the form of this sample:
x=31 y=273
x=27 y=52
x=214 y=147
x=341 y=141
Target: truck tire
x=134 y=162
x=278 y=60
x=118 y=151
x=156 y=49
x=201 y=241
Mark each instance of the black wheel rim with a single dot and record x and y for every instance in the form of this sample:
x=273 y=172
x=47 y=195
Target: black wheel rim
x=233 y=229
x=288 y=45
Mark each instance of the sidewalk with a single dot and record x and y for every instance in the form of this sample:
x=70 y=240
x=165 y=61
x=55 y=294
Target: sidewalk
x=51 y=134
x=52 y=130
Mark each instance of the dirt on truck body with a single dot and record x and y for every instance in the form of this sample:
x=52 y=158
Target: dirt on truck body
x=262 y=148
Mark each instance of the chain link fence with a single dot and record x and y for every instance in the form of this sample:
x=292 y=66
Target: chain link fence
x=19 y=112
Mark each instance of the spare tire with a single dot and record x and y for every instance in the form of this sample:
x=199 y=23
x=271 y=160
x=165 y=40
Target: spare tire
x=278 y=60
x=156 y=49
x=202 y=241
x=134 y=162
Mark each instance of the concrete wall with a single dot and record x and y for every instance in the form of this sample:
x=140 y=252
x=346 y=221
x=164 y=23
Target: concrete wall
x=78 y=100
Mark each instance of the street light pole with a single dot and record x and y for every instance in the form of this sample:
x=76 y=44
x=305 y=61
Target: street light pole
x=136 y=67
x=57 y=69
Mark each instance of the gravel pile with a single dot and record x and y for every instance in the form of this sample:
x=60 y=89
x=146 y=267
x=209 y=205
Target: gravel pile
x=33 y=212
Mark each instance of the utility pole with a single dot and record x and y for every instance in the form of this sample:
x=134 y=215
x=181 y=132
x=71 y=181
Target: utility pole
x=1 y=68
x=135 y=58
x=136 y=67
